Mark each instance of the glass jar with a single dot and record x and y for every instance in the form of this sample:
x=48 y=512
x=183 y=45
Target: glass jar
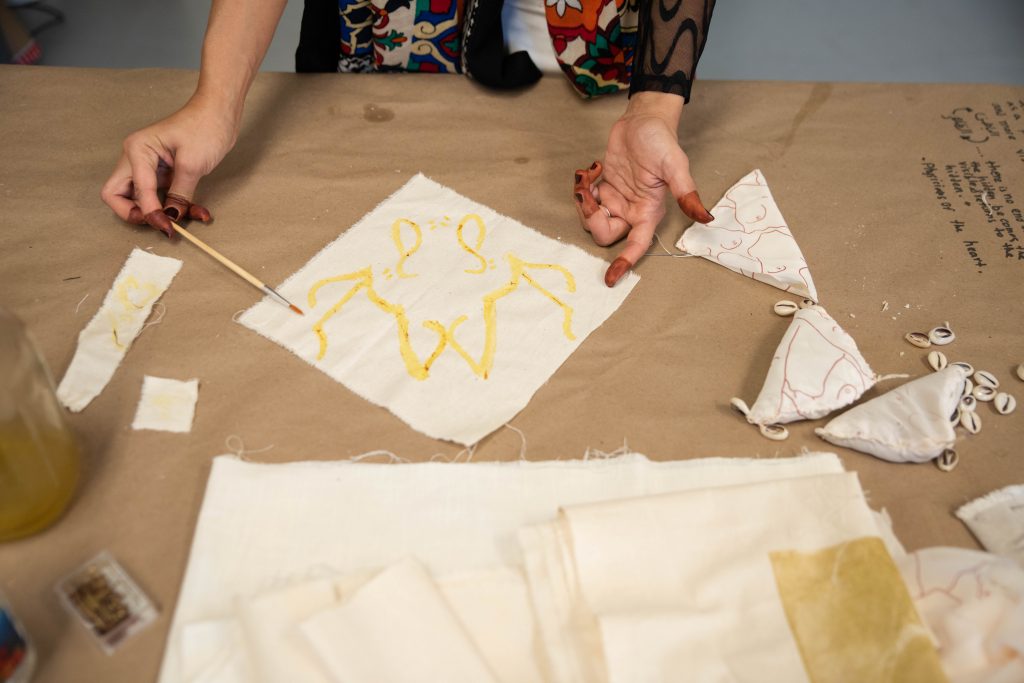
x=39 y=458
x=17 y=656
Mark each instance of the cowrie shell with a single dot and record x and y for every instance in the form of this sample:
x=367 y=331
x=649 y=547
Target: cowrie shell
x=1020 y=372
x=940 y=336
x=807 y=303
x=984 y=378
x=983 y=393
x=968 y=388
x=1004 y=403
x=955 y=417
x=948 y=461
x=774 y=432
x=785 y=307
x=918 y=339
x=968 y=368
x=971 y=421
x=937 y=360
x=740 y=405
x=968 y=403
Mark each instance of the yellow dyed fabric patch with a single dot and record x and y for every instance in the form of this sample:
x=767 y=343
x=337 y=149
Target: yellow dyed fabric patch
x=852 y=617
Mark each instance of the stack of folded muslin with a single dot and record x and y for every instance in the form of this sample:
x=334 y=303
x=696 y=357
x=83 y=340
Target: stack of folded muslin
x=618 y=570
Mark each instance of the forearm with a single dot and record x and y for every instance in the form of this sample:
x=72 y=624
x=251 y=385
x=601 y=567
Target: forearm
x=670 y=40
x=237 y=37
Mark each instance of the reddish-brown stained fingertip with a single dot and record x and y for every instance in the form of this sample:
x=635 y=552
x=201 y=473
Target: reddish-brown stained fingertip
x=616 y=271
x=692 y=206
x=296 y=309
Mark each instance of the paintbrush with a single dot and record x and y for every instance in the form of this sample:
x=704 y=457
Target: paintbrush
x=235 y=268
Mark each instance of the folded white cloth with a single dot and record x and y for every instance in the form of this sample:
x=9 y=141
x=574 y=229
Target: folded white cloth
x=458 y=520
x=398 y=628
x=700 y=586
x=997 y=520
x=911 y=423
x=816 y=369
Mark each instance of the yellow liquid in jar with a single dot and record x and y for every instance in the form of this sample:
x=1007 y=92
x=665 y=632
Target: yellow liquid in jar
x=38 y=474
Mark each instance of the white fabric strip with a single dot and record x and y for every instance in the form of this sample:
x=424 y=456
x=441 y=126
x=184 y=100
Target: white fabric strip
x=105 y=340
x=455 y=519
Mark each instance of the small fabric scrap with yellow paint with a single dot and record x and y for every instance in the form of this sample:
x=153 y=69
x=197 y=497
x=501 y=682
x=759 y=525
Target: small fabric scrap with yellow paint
x=443 y=311
x=105 y=340
x=167 y=405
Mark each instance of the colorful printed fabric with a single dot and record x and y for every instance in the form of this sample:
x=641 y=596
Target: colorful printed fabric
x=356 y=54
x=594 y=42
x=417 y=35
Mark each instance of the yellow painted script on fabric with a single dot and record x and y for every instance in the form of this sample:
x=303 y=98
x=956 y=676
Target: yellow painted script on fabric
x=132 y=296
x=363 y=282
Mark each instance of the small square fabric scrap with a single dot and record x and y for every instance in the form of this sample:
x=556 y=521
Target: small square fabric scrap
x=167 y=405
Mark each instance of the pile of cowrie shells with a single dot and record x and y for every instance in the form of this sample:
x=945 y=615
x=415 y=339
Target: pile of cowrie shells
x=938 y=336
x=980 y=386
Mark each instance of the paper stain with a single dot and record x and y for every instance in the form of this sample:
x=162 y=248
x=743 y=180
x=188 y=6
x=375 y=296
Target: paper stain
x=376 y=114
x=819 y=94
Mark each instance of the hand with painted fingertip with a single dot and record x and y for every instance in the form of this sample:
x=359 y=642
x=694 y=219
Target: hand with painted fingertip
x=178 y=151
x=173 y=155
x=623 y=196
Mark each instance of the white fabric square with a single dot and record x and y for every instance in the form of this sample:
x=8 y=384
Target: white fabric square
x=444 y=312
x=459 y=520
x=997 y=520
x=166 y=405
x=750 y=236
x=105 y=340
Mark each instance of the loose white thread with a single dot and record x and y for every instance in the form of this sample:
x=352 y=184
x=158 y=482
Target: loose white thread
x=883 y=378
x=392 y=459
x=159 y=317
x=597 y=454
x=657 y=238
x=236 y=446
x=80 y=303
x=522 y=438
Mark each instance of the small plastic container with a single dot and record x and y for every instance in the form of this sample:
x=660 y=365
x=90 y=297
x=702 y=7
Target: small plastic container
x=39 y=458
x=17 y=656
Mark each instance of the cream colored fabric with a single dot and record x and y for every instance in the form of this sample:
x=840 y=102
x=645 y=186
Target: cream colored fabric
x=395 y=629
x=680 y=586
x=166 y=405
x=816 y=370
x=214 y=652
x=271 y=624
x=105 y=340
x=750 y=236
x=908 y=424
x=460 y=521
x=974 y=603
x=443 y=311
x=997 y=520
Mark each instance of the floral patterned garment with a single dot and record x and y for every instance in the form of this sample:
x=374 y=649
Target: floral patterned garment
x=603 y=46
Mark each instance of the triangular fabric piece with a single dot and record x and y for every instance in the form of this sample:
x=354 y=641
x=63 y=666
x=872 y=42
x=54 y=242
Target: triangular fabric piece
x=908 y=424
x=750 y=236
x=816 y=370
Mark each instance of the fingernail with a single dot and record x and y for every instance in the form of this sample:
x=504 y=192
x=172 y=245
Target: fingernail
x=692 y=206
x=578 y=197
x=616 y=271
x=172 y=212
x=579 y=177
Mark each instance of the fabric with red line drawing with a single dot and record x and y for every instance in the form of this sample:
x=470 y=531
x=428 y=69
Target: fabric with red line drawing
x=750 y=236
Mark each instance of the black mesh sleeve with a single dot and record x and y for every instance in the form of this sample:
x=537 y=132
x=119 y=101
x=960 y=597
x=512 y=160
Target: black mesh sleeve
x=671 y=36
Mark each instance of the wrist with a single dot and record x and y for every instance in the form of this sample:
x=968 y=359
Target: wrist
x=218 y=107
x=665 y=106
